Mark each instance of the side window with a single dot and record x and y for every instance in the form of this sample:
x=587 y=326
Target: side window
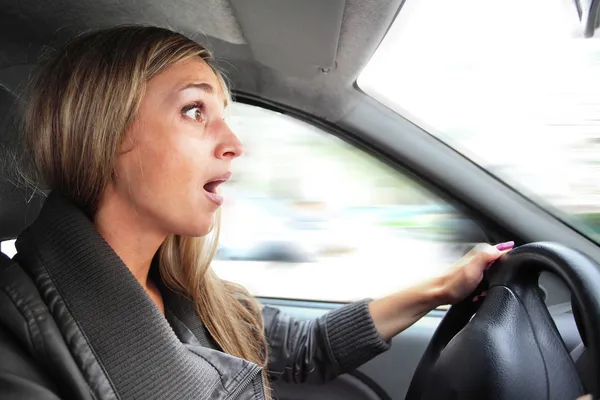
x=308 y=216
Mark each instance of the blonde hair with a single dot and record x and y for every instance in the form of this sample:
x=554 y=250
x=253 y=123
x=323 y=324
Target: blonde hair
x=80 y=106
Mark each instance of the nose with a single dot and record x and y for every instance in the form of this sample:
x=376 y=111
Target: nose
x=229 y=146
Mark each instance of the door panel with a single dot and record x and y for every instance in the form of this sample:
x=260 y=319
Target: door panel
x=388 y=375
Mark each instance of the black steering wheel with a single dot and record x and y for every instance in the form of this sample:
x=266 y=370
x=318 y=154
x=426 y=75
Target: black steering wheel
x=507 y=346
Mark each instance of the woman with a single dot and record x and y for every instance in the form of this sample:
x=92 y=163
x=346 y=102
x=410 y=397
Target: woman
x=111 y=294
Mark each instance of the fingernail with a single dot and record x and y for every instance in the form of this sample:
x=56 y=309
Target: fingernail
x=505 y=246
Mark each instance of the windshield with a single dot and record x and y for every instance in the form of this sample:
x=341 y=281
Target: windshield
x=511 y=84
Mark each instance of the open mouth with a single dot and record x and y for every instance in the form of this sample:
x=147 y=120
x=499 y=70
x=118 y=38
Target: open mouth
x=210 y=188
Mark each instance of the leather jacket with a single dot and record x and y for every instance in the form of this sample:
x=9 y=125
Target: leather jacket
x=75 y=324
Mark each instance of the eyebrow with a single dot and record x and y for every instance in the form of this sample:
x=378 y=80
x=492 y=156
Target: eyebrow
x=201 y=86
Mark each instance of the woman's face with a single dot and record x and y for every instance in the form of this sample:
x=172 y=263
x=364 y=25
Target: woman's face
x=178 y=151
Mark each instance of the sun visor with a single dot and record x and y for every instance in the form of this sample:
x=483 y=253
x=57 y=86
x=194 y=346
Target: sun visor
x=298 y=38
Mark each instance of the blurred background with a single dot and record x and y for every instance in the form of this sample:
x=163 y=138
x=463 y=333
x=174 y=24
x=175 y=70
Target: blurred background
x=309 y=216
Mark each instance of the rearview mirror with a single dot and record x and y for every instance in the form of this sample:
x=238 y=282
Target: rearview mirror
x=588 y=15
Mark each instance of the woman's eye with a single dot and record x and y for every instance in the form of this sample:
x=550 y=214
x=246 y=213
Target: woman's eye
x=195 y=112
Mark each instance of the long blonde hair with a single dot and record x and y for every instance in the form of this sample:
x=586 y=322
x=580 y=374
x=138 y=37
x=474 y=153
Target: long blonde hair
x=80 y=106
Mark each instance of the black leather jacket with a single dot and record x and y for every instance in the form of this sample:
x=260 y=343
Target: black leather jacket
x=74 y=324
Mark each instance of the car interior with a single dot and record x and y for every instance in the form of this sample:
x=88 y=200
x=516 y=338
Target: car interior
x=535 y=335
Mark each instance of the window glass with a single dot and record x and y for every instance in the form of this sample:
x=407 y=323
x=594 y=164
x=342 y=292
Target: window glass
x=308 y=216
x=511 y=84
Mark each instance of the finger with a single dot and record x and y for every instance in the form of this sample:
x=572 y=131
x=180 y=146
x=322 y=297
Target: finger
x=488 y=253
x=505 y=246
x=502 y=248
x=499 y=249
x=482 y=248
x=585 y=397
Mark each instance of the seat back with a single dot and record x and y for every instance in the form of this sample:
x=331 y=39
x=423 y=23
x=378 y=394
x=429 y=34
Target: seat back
x=18 y=205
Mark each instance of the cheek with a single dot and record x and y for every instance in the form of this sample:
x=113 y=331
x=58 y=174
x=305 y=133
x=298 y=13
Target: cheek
x=173 y=167
x=189 y=157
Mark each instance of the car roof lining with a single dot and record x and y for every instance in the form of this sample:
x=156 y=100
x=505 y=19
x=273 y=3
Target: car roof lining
x=353 y=30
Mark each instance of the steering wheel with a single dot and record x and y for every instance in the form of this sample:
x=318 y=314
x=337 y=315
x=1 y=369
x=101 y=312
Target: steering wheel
x=507 y=346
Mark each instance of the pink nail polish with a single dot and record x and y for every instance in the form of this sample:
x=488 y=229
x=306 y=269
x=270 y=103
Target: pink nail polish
x=505 y=246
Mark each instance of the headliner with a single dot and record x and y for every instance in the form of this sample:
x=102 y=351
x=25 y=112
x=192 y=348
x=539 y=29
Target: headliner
x=26 y=26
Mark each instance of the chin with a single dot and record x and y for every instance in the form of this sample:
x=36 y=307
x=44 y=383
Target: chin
x=196 y=224
x=200 y=227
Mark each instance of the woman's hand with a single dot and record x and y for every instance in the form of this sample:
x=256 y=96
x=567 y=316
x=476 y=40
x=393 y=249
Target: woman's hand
x=395 y=313
x=466 y=273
